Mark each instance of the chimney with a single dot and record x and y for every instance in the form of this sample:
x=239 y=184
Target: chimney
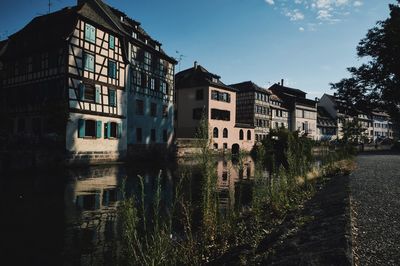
x=195 y=65
x=282 y=82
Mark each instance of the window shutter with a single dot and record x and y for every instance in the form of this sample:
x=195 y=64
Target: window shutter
x=111 y=97
x=108 y=129
x=97 y=201
x=98 y=129
x=119 y=130
x=81 y=91
x=98 y=95
x=81 y=128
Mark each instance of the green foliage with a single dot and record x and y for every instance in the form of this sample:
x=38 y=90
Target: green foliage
x=376 y=83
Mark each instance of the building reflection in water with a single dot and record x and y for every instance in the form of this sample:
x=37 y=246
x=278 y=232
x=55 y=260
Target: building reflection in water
x=91 y=201
x=92 y=197
x=234 y=183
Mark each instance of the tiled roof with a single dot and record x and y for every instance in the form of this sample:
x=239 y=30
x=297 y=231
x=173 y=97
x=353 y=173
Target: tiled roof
x=247 y=86
x=277 y=88
x=199 y=76
x=324 y=119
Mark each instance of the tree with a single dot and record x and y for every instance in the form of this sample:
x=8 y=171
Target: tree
x=376 y=84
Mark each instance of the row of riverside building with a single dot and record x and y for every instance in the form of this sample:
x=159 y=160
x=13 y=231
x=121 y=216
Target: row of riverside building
x=90 y=79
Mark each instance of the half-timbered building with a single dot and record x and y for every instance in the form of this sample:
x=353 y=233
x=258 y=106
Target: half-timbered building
x=70 y=77
x=150 y=92
x=302 y=111
x=253 y=107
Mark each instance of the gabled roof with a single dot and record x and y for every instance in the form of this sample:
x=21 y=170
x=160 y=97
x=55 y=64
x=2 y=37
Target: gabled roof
x=324 y=119
x=198 y=76
x=247 y=86
x=52 y=30
x=279 y=89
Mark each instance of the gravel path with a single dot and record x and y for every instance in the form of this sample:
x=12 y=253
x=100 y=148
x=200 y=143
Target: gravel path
x=375 y=199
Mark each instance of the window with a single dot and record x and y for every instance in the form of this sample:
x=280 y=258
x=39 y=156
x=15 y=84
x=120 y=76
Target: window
x=112 y=130
x=153 y=109
x=111 y=42
x=241 y=134
x=197 y=113
x=153 y=135
x=134 y=34
x=112 y=69
x=87 y=92
x=220 y=96
x=199 y=95
x=89 y=128
x=152 y=83
x=112 y=97
x=164 y=87
x=90 y=33
x=215 y=146
x=165 y=135
x=88 y=62
x=225 y=146
x=137 y=78
x=139 y=107
x=138 y=135
x=248 y=135
x=215 y=132
x=147 y=61
x=218 y=114
x=165 y=110
x=225 y=133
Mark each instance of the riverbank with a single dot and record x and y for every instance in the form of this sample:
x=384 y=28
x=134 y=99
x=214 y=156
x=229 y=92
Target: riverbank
x=317 y=231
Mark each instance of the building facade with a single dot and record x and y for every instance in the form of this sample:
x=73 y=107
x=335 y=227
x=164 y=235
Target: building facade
x=279 y=113
x=326 y=125
x=199 y=94
x=303 y=111
x=253 y=107
x=76 y=79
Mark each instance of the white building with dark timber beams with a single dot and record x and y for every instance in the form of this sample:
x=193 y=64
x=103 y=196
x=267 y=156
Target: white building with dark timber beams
x=66 y=77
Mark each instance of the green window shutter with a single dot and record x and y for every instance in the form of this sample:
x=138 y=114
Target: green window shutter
x=81 y=128
x=81 y=91
x=98 y=129
x=119 y=130
x=108 y=129
x=111 y=42
x=98 y=94
x=111 y=97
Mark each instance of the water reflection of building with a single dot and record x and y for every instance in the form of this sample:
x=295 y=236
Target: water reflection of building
x=91 y=201
x=231 y=176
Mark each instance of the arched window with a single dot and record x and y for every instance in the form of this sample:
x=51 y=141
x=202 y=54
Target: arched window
x=248 y=135
x=241 y=134
x=215 y=132
x=225 y=133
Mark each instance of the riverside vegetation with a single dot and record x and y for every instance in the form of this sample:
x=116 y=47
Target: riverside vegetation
x=194 y=231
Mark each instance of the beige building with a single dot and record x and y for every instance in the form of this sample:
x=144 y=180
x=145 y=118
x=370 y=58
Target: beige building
x=200 y=92
x=279 y=113
x=302 y=111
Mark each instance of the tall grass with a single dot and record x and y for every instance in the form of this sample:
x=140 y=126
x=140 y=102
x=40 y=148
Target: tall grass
x=195 y=234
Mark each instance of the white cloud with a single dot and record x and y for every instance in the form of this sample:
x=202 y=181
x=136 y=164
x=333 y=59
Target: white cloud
x=297 y=2
x=270 y=2
x=341 y=2
x=358 y=3
x=324 y=15
x=301 y=29
x=295 y=15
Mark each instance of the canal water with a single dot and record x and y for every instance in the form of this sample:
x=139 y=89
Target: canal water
x=71 y=218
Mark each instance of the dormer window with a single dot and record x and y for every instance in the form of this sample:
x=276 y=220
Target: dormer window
x=122 y=18
x=145 y=41
x=214 y=80
x=134 y=35
x=157 y=47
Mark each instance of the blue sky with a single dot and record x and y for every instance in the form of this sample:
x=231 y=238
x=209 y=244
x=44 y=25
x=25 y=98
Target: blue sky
x=309 y=43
